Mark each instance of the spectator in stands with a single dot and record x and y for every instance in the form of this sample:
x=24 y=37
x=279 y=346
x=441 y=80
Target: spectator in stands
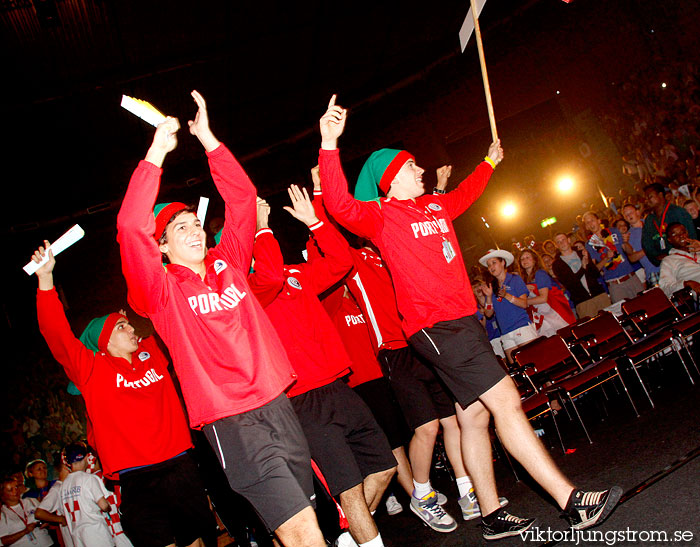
x=662 y=214
x=547 y=306
x=18 y=475
x=18 y=525
x=549 y=247
x=508 y=300
x=691 y=206
x=579 y=245
x=576 y=271
x=624 y=228
x=547 y=261
x=605 y=249
x=50 y=509
x=83 y=497
x=632 y=244
x=680 y=268
x=37 y=473
x=490 y=323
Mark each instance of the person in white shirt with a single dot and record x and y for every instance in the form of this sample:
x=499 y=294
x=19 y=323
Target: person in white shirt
x=50 y=509
x=680 y=268
x=18 y=525
x=84 y=504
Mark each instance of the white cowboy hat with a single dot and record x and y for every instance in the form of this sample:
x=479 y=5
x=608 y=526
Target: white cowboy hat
x=497 y=253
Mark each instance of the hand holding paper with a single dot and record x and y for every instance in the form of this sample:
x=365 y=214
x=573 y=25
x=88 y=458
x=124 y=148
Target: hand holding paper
x=73 y=235
x=143 y=109
x=164 y=141
x=44 y=259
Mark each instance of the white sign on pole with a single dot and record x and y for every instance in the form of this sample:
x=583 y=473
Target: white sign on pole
x=468 y=26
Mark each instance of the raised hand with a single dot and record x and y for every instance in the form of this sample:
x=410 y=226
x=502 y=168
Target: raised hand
x=487 y=290
x=316 y=178
x=263 y=214
x=496 y=152
x=164 y=141
x=38 y=256
x=199 y=127
x=332 y=125
x=302 y=208
x=443 y=174
x=693 y=245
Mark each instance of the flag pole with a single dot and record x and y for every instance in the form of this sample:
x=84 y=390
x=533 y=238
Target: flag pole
x=484 y=74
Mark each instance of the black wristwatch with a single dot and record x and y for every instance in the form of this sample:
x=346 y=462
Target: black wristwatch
x=437 y=190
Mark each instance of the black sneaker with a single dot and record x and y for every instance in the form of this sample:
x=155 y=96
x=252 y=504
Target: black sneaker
x=586 y=509
x=504 y=525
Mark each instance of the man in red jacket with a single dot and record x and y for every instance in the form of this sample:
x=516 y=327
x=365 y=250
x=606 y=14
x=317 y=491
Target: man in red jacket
x=424 y=403
x=139 y=426
x=414 y=233
x=346 y=443
x=231 y=364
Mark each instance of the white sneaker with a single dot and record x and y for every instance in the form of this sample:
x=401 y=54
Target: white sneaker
x=393 y=507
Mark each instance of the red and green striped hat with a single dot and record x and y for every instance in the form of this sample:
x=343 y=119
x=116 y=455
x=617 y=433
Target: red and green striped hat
x=163 y=213
x=96 y=335
x=378 y=172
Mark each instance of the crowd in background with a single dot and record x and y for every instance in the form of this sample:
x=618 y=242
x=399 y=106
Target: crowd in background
x=653 y=120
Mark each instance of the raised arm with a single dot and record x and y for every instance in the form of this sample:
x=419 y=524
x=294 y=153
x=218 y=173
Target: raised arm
x=141 y=258
x=336 y=261
x=458 y=200
x=443 y=176
x=361 y=218
x=76 y=359
x=268 y=278
x=236 y=189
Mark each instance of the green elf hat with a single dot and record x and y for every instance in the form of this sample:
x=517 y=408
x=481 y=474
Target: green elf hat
x=378 y=172
x=163 y=213
x=96 y=335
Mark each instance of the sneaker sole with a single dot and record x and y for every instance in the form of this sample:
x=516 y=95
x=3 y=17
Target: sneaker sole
x=609 y=507
x=471 y=516
x=509 y=534
x=429 y=525
x=395 y=511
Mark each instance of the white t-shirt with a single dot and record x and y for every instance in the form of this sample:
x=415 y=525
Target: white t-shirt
x=114 y=518
x=16 y=518
x=52 y=504
x=86 y=521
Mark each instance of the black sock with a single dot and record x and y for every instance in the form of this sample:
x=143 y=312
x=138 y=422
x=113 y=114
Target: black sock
x=570 y=502
x=491 y=517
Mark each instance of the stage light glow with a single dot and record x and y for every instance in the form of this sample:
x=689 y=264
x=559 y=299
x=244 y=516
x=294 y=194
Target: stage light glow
x=565 y=184
x=509 y=209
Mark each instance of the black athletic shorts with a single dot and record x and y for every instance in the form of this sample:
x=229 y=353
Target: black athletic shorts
x=379 y=397
x=420 y=392
x=266 y=460
x=462 y=356
x=165 y=503
x=346 y=442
